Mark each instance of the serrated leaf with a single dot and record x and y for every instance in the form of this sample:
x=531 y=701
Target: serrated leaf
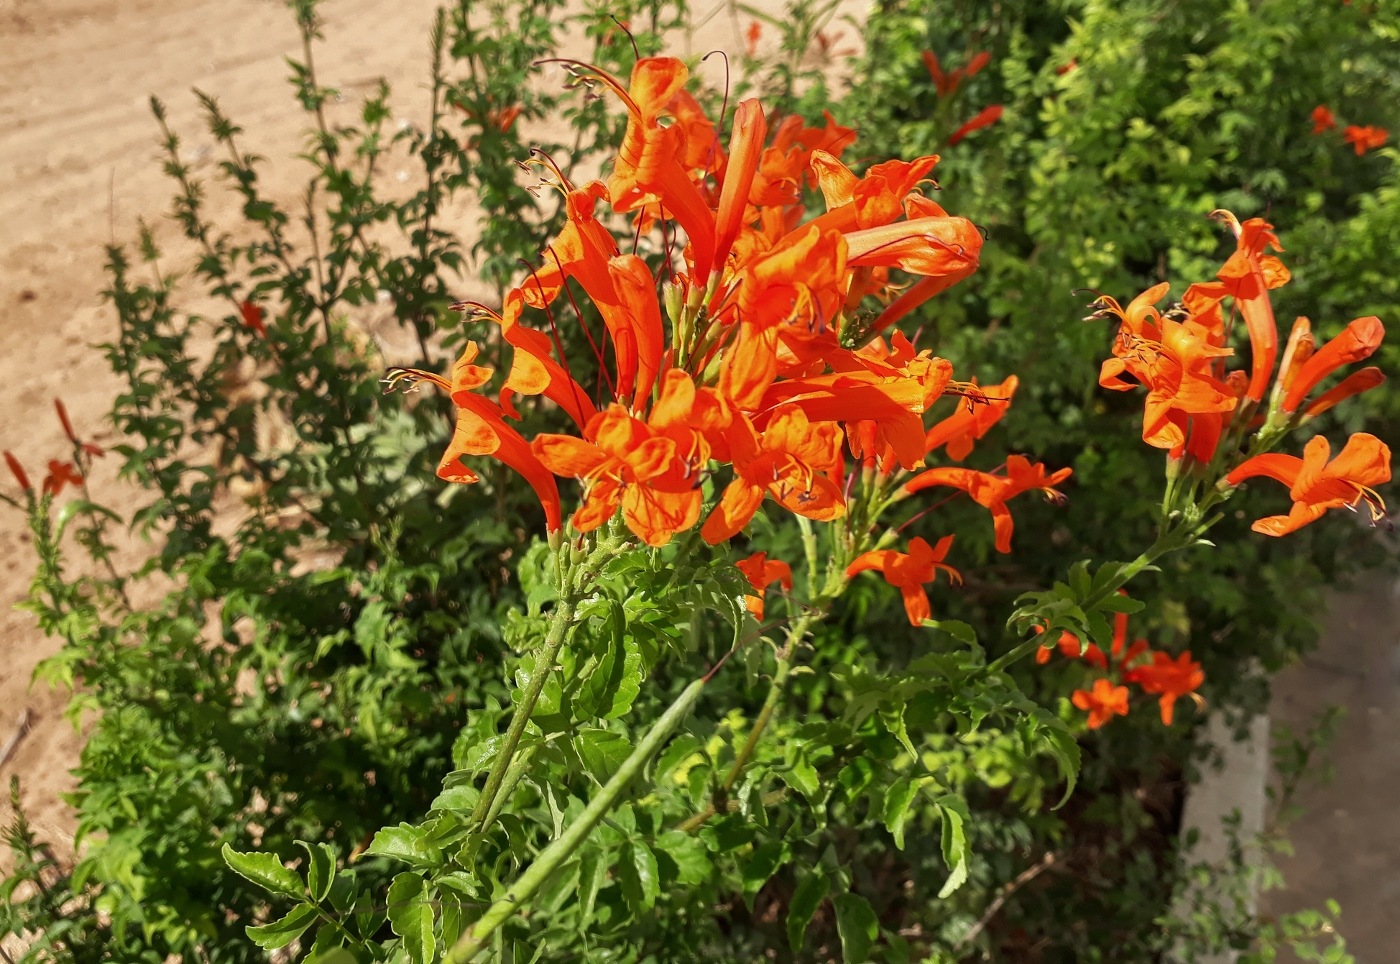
x=320 y=869
x=592 y=871
x=1062 y=746
x=266 y=871
x=692 y=860
x=811 y=891
x=638 y=874
x=893 y=718
x=958 y=630
x=897 y=800
x=956 y=852
x=280 y=933
x=802 y=777
x=858 y=927
x=602 y=751
x=404 y=842
x=338 y=955
x=411 y=917
x=1115 y=603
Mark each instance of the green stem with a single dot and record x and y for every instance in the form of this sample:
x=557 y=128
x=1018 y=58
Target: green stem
x=765 y=714
x=558 y=632
x=558 y=853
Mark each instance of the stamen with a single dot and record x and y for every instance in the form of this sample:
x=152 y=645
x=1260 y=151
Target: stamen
x=554 y=331
x=597 y=352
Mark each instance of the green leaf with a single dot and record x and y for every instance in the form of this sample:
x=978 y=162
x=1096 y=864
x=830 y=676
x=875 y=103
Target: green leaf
x=592 y=871
x=1056 y=738
x=404 y=842
x=266 y=871
x=639 y=877
x=602 y=751
x=765 y=860
x=956 y=851
x=411 y=917
x=858 y=927
x=282 y=932
x=897 y=800
x=893 y=718
x=612 y=688
x=802 y=777
x=811 y=891
x=692 y=860
x=337 y=956
x=681 y=748
x=958 y=630
x=320 y=869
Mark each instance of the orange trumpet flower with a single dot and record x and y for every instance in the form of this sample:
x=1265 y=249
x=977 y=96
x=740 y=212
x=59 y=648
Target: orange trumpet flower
x=481 y=429
x=908 y=572
x=1168 y=679
x=974 y=417
x=1103 y=702
x=762 y=572
x=61 y=474
x=1366 y=138
x=1317 y=484
x=992 y=491
x=985 y=117
x=648 y=469
x=17 y=470
x=793 y=459
x=1358 y=341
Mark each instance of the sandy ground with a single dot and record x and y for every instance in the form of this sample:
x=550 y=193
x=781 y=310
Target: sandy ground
x=78 y=161
x=78 y=164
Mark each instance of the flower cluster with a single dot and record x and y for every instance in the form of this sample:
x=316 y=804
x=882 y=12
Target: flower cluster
x=61 y=474
x=947 y=84
x=1204 y=414
x=1127 y=664
x=1361 y=138
x=752 y=367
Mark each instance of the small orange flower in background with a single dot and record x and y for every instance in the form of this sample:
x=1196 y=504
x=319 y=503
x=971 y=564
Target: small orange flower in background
x=1063 y=69
x=762 y=572
x=985 y=117
x=61 y=474
x=18 y=472
x=751 y=36
x=1168 y=679
x=947 y=83
x=1317 y=484
x=1322 y=119
x=1160 y=675
x=908 y=572
x=88 y=448
x=1364 y=139
x=253 y=318
x=1103 y=702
